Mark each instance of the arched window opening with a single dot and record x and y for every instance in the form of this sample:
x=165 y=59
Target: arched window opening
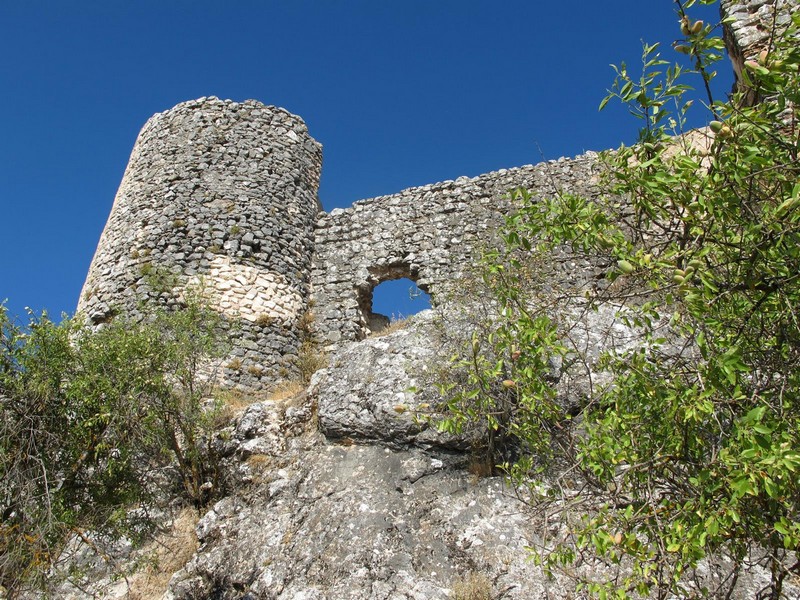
x=392 y=294
x=399 y=299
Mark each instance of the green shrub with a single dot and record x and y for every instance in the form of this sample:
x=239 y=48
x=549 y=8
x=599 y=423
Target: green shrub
x=689 y=454
x=89 y=420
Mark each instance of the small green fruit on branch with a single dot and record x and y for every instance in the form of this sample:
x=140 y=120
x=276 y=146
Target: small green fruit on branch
x=723 y=130
x=689 y=28
x=625 y=267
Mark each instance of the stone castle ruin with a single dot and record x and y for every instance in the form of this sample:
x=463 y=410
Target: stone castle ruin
x=222 y=196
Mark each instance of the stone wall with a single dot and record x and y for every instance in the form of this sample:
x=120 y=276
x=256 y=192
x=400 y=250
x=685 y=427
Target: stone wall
x=428 y=234
x=223 y=196
x=751 y=26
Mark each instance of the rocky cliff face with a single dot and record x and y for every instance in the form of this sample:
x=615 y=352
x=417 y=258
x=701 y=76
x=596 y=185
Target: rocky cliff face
x=342 y=493
x=351 y=495
x=361 y=521
x=348 y=495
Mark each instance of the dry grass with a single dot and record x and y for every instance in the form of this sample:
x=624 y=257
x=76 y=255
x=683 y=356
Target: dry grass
x=393 y=327
x=261 y=469
x=285 y=390
x=234 y=403
x=310 y=360
x=305 y=324
x=171 y=551
x=259 y=461
x=473 y=586
x=480 y=466
x=264 y=320
x=255 y=370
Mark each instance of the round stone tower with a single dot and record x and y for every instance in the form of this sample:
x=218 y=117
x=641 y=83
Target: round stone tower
x=220 y=195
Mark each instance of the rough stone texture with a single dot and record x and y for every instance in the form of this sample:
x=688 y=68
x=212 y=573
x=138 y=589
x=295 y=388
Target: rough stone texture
x=316 y=520
x=362 y=522
x=383 y=521
x=751 y=27
x=222 y=193
x=379 y=389
x=428 y=234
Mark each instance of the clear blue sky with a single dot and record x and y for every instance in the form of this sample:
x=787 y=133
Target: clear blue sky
x=400 y=93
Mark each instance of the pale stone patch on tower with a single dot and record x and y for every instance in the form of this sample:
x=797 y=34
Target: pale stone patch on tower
x=245 y=292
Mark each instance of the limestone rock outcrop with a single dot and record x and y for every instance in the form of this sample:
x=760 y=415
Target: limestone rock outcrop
x=379 y=389
x=379 y=511
x=380 y=508
x=361 y=521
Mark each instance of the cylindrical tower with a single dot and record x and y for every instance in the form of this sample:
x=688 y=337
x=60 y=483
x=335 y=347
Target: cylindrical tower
x=223 y=194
